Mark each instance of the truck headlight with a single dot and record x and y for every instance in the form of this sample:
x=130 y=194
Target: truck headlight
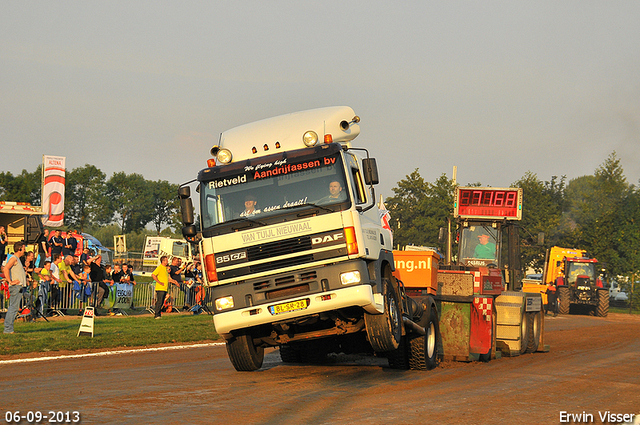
x=224 y=303
x=350 y=277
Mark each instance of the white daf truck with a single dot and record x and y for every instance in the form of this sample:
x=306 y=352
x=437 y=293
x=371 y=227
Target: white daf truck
x=293 y=246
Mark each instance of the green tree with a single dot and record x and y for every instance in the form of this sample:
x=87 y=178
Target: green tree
x=165 y=203
x=418 y=209
x=542 y=212
x=25 y=187
x=602 y=214
x=130 y=199
x=85 y=186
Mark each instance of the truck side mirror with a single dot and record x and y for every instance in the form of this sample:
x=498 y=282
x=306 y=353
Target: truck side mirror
x=186 y=206
x=370 y=171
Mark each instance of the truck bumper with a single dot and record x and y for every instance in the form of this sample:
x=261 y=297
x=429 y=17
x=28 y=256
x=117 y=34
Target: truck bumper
x=353 y=296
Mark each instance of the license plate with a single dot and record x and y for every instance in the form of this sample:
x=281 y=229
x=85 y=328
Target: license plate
x=290 y=306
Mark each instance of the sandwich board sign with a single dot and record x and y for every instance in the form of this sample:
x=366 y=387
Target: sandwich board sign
x=86 y=326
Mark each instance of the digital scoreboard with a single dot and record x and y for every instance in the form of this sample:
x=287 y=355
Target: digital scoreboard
x=488 y=203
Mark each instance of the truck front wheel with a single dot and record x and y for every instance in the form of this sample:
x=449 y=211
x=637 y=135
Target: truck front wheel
x=385 y=330
x=244 y=355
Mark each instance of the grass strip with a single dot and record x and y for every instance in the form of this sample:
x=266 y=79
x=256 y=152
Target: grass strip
x=109 y=332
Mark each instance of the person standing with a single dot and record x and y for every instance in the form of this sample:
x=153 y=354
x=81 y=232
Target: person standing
x=3 y=244
x=17 y=278
x=97 y=276
x=57 y=243
x=43 y=249
x=70 y=244
x=161 y=276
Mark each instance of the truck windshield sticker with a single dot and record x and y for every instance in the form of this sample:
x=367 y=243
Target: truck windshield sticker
x=277 y=232
x=261 y=190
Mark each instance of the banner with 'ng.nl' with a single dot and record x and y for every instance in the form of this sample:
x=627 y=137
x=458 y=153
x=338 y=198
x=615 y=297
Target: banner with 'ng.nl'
x=53 y=179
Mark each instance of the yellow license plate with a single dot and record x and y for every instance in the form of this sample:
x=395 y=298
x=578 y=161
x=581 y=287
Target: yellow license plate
x=287 y=307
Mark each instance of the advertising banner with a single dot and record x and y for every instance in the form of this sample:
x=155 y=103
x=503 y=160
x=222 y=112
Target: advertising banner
x=53 y=180
x=151 y=251
x=120 y=296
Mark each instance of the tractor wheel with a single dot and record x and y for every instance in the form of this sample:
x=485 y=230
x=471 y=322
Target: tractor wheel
x=385 y=330
x=244 y=355
x=424 y=349
x=534 y=320
x=602 y=309
x=563 y=300
x=288 y=354
x=524 y=332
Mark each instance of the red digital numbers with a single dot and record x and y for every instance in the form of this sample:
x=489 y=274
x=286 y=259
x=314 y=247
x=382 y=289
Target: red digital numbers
x=489 y=202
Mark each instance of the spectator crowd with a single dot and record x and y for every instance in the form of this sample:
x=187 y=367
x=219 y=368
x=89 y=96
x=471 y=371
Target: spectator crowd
x=63 y=278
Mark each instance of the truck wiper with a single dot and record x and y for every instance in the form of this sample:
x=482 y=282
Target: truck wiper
x=308 y=204
x=244 y=219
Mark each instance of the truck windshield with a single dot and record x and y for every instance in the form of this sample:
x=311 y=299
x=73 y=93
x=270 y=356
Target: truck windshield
x=268 y=186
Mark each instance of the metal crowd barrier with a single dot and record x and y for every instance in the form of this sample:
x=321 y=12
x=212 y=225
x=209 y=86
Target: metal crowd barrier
x=122 y=297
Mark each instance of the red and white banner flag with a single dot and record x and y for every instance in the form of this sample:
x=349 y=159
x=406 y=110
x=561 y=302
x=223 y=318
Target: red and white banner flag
x=53 y=178
x=385 y=217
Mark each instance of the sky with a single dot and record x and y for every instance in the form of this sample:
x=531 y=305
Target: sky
x=495 y=88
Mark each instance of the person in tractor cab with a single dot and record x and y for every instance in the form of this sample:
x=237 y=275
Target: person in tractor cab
x=485 y=249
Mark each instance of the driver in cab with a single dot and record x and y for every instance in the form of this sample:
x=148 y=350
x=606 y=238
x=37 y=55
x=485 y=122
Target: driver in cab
x=336 y=194
x=250 y=203
x=485 y=249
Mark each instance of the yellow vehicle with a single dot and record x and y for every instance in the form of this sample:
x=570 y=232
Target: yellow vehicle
x=573 y=272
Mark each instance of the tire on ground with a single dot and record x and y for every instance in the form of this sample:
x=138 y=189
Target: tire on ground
x=602 y=309
x=534 y=320
x=399 y=358
x=563 y=300
x=385 y=330
x=289 y=354
x=244 y=355
x=423 y=353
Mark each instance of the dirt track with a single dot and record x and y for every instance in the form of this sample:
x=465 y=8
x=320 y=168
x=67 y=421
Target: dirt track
x=593 y=366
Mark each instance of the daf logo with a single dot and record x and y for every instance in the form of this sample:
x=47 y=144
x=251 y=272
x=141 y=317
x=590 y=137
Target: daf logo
x=327 y=238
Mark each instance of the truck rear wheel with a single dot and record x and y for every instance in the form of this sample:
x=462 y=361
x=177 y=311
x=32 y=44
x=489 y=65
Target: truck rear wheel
x=399 y=358
x=602 y=309
x=424 y=349
x=385 y=330
x=563 y=300
x=288 y=354
x=244 y=355
x=534 y=325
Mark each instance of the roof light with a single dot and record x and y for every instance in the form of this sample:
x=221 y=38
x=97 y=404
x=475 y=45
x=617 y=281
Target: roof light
x=224 y=156
x=211 y=162
x=328 y=138
x=265 y=147
x=310 y=138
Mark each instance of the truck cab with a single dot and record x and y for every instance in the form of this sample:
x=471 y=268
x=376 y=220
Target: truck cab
x=291 y=241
